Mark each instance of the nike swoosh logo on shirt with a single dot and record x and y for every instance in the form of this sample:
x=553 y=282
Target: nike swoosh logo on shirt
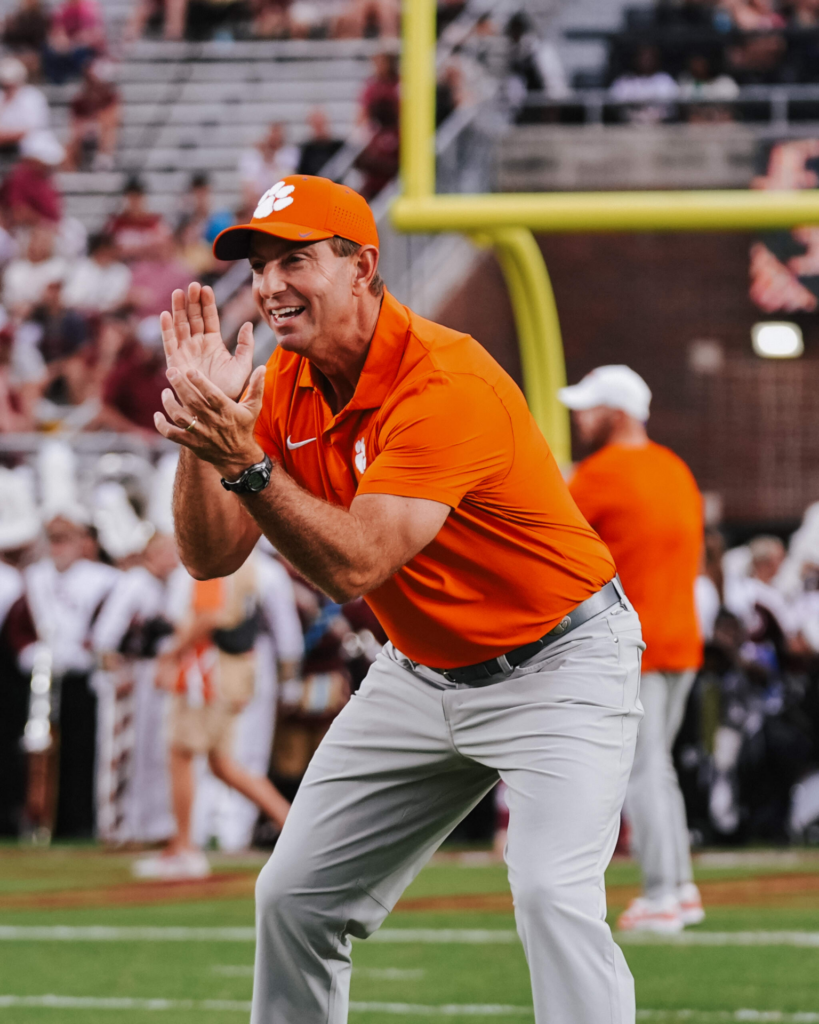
x=291 y=445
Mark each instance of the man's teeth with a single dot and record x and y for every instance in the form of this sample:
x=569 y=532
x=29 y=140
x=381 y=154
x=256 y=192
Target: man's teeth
x=286 y=313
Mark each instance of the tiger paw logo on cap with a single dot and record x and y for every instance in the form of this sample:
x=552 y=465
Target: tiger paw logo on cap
x=276 y=198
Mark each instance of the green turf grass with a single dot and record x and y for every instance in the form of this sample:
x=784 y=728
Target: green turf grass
x=702 y=979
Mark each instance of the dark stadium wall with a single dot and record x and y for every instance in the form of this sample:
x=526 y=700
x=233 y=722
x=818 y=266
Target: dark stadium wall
x=676 y=309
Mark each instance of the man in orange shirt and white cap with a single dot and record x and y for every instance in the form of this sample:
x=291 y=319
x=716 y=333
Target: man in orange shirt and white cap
x=643 y=501
x=386 y=456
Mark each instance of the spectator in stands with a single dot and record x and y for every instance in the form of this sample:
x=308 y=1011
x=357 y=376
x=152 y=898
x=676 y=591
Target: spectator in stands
x=198 y=212
x=368 y=19
x=381 y=90
x=21 y=379
x=264 y=164
x=23 y=108
x=533 y=65
x=648 y=91
x=25 y=32
x=133 y=389
x=379 y=160
x=137 y=231
x=756 y=59
x=75 y=38
x=801 y=61
x=155 y=277
x=99 y=283
x=701 y=81
x=271 y=19
x=26 y=278
x=28 y=195
x=321 y=145
x=95 y=117
x=63 y=341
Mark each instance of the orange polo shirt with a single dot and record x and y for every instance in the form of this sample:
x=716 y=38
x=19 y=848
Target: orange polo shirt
x=645 y=504
x=434 y=416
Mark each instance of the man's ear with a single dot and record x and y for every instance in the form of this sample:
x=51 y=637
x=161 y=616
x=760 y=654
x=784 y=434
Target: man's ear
x=366 y=265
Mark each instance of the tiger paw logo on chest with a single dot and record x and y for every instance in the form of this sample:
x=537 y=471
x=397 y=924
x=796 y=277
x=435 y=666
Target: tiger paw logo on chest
x=276 y=198
x=360 y=458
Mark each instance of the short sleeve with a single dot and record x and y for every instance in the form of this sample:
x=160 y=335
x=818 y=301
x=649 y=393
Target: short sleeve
x=443 y=437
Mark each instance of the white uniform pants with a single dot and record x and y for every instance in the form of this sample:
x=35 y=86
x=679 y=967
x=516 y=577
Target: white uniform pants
x=654 y=803
x=405 y=760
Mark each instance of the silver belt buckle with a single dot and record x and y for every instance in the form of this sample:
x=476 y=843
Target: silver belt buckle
x=561 y=627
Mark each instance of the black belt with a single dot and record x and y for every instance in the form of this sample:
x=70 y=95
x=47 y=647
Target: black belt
x=609 y=595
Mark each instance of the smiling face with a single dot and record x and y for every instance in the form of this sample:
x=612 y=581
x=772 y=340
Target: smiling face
x=306 y=293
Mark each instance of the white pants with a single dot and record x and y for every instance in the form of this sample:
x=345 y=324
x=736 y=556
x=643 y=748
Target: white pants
x=403 y=763
x=654 y=803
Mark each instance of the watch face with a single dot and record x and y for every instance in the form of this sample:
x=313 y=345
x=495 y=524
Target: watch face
x=256 y=481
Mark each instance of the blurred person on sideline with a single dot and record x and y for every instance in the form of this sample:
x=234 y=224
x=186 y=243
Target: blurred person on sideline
x=23 y=108
x=320 y=146
x=99 y=282
x=127 y=637
x=138 y=232
x=19 y=531
x=96 y=111
x=75 y=38
x=749 y=595
x=25 y=31
x=132 y=391
x=441 y=503
x=209 y=667
x=643 y=501
x=26 y=278
x=533 y=64
x=28 y=193
x=264 y=164
x=63 y=592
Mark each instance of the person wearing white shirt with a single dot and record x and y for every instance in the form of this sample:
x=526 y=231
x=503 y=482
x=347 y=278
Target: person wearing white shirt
x=261 y=167
x=64 y=593
x=23 y=108
x=98 y=283
x=26 y=278
x=744 y=595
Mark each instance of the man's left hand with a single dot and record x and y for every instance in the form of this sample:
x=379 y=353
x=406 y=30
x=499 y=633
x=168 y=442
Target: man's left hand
x=218 y=430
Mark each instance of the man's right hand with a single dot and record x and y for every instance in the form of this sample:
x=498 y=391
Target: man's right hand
x=193 y=341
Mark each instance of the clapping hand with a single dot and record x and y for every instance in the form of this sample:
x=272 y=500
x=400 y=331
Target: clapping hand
x=207 y=414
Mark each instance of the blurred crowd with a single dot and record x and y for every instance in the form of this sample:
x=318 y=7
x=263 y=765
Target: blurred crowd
x=265 y=19
x=114 y=663
x=687 y=59
x=748 y=753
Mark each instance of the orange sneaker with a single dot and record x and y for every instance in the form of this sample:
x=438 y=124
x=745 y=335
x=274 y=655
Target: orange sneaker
x=690 y=904
x=661 y=916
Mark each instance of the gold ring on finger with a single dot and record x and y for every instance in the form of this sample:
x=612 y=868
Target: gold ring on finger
x=192 y=423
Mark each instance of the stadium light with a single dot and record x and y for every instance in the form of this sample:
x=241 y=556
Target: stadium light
x=777 y=340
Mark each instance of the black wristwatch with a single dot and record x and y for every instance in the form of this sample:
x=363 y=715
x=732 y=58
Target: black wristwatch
x=254 y=479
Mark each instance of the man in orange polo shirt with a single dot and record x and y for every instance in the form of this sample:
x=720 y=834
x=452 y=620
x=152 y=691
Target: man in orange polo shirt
x=643 y=501
x=387 y=456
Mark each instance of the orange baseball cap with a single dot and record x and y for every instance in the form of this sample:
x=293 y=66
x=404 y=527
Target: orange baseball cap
x=302 y=208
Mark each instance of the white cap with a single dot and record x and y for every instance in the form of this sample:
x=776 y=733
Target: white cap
x=42 y=146
x=59 y=488
x=12 y=71
x=19 y=520
x=616 y=387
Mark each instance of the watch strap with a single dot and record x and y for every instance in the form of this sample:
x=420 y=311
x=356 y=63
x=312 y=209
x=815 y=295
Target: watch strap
x=239 y=485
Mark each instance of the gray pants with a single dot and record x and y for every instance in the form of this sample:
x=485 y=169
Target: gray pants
x=403 y=763
x=654 y=803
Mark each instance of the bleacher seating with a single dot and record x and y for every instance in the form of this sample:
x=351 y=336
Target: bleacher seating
x=193 y=106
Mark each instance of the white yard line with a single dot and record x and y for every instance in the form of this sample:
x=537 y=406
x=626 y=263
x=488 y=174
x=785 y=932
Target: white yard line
x=422 y=936
x=728 y=1016
x=53 y=1002
x=697 y=938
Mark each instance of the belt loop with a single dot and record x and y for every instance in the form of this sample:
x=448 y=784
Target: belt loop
x=505 y=664
x=618 y=586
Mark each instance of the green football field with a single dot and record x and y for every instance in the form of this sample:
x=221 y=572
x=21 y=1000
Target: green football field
x=80 y=941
